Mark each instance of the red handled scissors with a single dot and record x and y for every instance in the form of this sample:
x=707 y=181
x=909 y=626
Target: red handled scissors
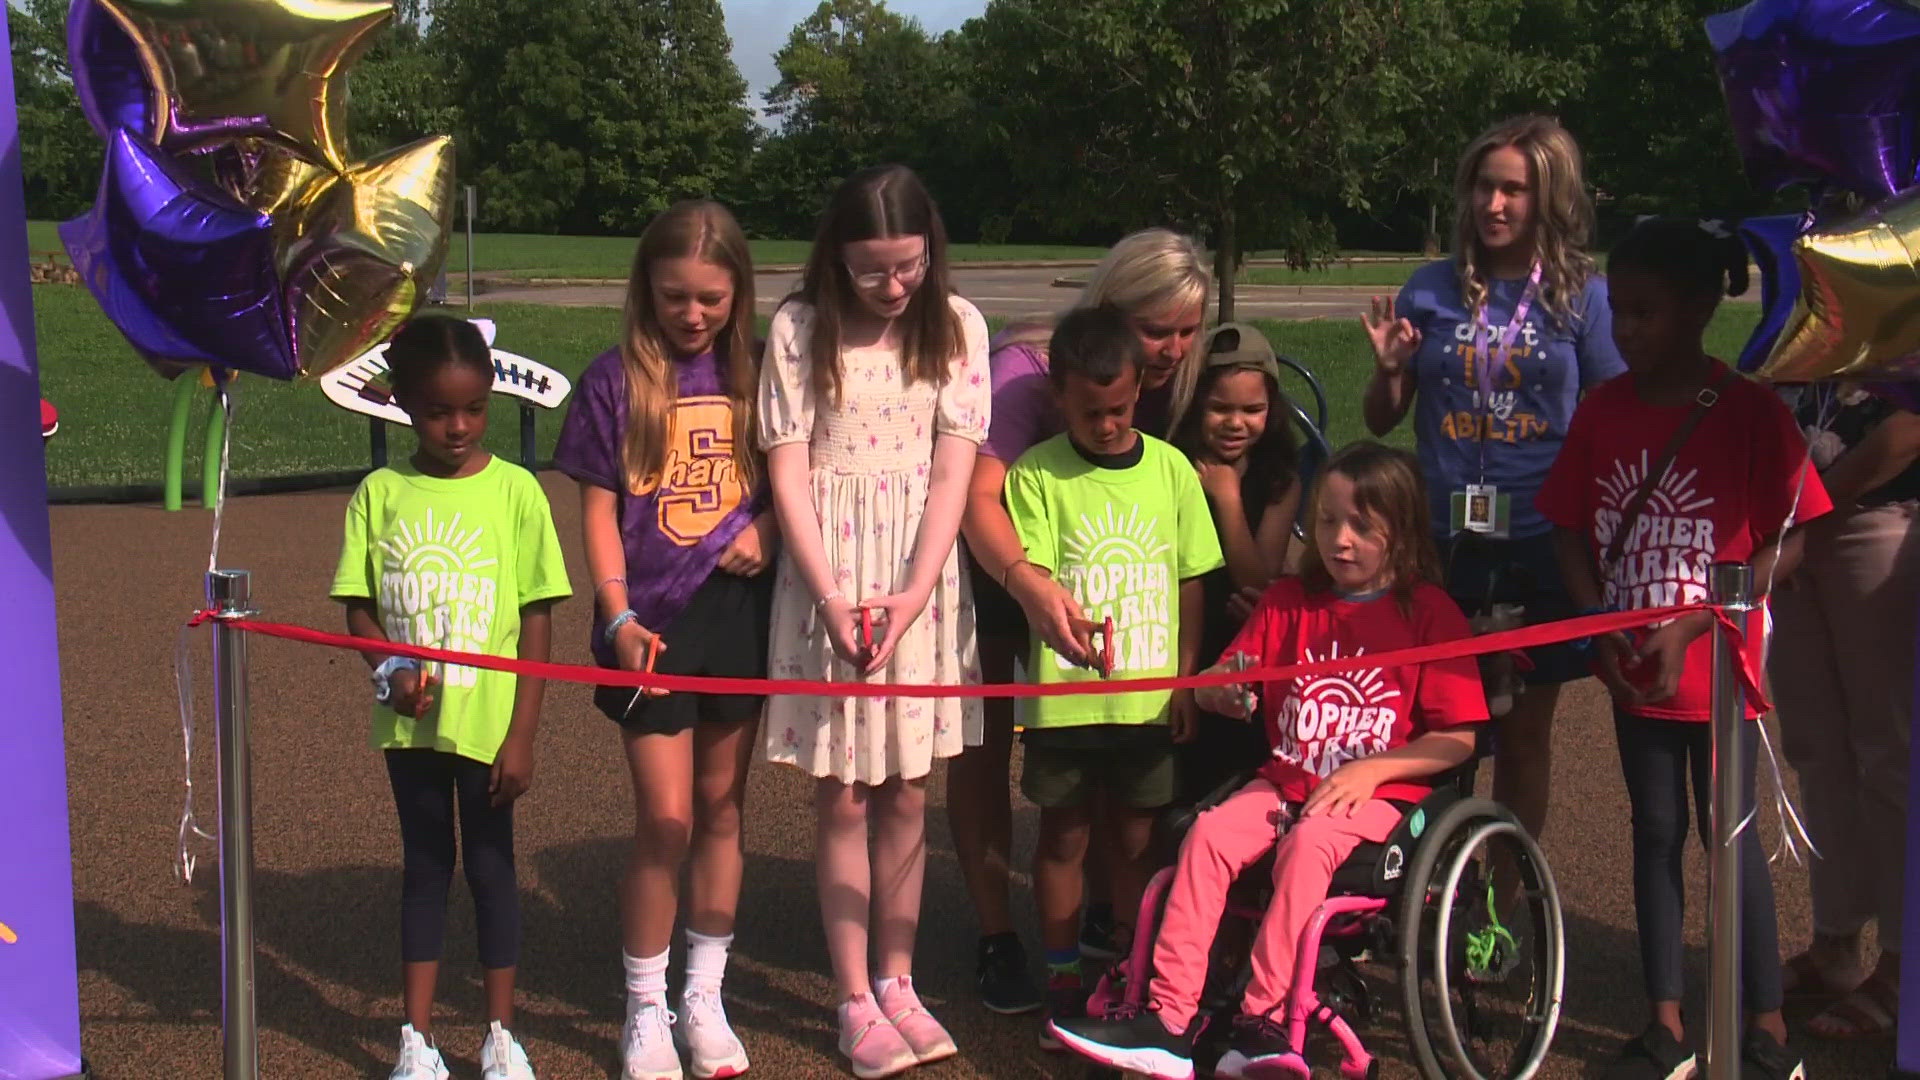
x=1104 y=631
x=653 y=654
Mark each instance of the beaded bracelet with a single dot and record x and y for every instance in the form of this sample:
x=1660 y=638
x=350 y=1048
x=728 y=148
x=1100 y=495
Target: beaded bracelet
x=614 y=624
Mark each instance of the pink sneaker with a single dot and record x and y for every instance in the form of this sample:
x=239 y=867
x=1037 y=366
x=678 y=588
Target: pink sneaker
x=870 y=1042
x=930 y=1041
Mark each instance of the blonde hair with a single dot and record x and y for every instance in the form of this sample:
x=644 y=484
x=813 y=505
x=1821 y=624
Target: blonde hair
x=1150 y=270
x=1562 y=217
x=703 y=230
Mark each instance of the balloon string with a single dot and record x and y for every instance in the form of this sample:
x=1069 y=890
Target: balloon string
x=222 y=387
x=184 y=860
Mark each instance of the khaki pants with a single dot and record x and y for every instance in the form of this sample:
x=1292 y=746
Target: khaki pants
x=1842 y=668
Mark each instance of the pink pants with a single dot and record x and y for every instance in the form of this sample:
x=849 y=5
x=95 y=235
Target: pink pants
x=1224 y=841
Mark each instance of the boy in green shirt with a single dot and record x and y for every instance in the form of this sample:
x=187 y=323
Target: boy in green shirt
x=1120 y=519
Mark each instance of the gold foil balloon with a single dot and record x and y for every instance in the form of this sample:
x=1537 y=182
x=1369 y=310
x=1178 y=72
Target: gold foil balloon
x=227 y=69
x=1859 y=309
x=358 y=251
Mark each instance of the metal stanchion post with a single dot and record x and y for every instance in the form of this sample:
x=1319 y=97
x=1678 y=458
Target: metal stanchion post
x=229 y=593
x=1732 y=586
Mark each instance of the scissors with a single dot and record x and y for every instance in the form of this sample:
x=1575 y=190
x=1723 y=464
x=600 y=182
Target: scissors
x=653 y=653
x=1103 y=660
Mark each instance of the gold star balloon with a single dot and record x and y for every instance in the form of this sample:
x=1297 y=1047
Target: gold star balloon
x=358 y=251
x=225 y=69
x=1859 y=310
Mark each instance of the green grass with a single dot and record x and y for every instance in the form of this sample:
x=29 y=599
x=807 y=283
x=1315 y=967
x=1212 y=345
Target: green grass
x=114 y=409
x=1391 y=274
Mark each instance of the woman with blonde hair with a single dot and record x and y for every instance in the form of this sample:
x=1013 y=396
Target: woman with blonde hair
x=1491 y=351
x=1163 y=283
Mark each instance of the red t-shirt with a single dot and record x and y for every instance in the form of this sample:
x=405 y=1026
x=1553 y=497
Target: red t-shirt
x=1731 y=486
x=1319 y=723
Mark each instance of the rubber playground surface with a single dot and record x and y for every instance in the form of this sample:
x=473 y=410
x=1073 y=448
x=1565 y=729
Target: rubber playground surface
x=327 y=851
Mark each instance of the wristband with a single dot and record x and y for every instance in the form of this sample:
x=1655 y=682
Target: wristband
x=614 y=624
x=383 y=676
x=1007 y=574
x=1585 y=644
x=821 y=604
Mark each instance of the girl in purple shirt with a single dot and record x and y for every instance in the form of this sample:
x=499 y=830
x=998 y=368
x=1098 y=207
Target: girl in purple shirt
x=679 y=532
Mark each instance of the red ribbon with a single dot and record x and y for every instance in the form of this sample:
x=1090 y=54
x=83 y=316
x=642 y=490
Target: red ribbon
x=1525 y=637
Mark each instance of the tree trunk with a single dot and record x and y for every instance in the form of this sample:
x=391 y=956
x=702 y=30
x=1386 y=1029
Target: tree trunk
x=1226 y=261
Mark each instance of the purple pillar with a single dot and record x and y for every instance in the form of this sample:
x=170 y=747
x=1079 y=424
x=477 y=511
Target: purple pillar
x=39 y=984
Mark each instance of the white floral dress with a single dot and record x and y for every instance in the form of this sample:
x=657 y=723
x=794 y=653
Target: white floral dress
x=872 y=457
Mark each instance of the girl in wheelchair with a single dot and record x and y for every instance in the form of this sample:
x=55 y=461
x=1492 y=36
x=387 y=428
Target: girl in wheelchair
x=1349 y=750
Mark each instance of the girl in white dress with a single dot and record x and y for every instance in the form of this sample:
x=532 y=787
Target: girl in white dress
x=874 y=396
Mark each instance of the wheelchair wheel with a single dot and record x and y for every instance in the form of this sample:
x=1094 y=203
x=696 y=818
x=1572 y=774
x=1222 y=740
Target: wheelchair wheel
x=1481 y=989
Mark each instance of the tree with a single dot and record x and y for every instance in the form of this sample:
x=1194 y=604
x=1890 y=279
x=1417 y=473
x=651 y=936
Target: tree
x=60 y=155
x=1249 y=121
x=398 y=87
x=861 y=85
x=1655 y=128
x=591 y=115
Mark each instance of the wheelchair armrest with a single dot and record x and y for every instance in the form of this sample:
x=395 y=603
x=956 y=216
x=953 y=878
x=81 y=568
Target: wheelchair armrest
x=1399 y=846
x=1171 y=828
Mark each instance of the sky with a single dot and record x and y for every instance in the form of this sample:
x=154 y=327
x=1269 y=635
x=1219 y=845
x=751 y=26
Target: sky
x=760 y=27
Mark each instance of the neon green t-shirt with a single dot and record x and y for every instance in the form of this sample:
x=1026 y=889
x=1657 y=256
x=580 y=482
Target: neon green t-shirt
x=1122 y=541
x=449 y=564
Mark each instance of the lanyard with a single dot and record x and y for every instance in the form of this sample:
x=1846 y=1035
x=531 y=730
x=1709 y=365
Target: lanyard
x=1483 y=363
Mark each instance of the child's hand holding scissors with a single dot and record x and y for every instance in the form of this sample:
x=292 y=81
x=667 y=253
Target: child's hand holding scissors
x=1236 y=700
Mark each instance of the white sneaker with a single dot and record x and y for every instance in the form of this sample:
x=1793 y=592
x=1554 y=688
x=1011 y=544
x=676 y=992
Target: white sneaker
x=502 y=1057
x=713 y=1049
x=646 y=1043
x=419 y=1060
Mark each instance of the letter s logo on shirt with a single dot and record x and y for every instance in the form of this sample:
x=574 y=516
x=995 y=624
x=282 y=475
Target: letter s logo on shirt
x=700 y=485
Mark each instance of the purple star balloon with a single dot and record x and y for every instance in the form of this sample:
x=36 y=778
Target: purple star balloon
x=182 y=269
x=1770 y=239
x=1823 y=90
x=113 y=88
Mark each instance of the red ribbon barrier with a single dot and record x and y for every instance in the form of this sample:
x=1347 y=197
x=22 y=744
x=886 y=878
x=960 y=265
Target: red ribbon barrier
x=1502 y=641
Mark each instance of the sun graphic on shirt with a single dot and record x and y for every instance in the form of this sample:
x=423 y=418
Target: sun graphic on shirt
x=1674 y=495
x=1134 y=538
x=1367 y=686
x=436 y=546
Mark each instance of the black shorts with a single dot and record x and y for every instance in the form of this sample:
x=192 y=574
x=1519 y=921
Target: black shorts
x=1522 y=570
x=721 y=632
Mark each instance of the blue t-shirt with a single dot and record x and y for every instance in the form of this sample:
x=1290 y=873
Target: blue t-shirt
x=1553 y=360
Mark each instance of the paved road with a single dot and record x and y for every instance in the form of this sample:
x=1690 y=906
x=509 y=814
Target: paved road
x=1011 y=293
x=328 y=852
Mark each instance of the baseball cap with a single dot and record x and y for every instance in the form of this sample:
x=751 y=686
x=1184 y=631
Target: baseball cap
x=1241 y=345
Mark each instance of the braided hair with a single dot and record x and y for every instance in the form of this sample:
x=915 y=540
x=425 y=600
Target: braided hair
x=1701 y=259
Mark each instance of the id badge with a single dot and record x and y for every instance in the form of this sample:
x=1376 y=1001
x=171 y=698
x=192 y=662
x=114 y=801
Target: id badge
x=1480 y=508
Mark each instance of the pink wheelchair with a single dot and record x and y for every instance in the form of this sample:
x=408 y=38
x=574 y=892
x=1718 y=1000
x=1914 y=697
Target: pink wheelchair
x=1480 y=993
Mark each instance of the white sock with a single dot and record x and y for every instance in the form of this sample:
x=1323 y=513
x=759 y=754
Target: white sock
x=706 y=961
x=646 y=978
x=885 y=985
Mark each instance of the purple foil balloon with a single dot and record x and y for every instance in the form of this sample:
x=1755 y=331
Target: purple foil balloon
x=1770 y=239
x=1823 y=90
x=183 y=270
x=113 y=87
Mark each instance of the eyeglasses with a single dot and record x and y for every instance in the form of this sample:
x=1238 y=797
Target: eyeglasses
x=908 y=274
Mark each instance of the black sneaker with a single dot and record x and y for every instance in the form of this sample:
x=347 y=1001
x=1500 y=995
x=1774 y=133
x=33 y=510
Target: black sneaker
x=1256 y=1048
x=1129 y=1040
x=1762 y=1057
x=1006 y=986
x=1066 y=1000
x=1096 y=933
x=1652 y=1055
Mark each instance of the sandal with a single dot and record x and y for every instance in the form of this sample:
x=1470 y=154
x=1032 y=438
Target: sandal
x=1868 y=1011
x=1805 y=981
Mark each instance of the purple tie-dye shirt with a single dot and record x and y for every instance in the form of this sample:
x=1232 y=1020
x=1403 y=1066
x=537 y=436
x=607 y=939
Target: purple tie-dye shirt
x=674 y=533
